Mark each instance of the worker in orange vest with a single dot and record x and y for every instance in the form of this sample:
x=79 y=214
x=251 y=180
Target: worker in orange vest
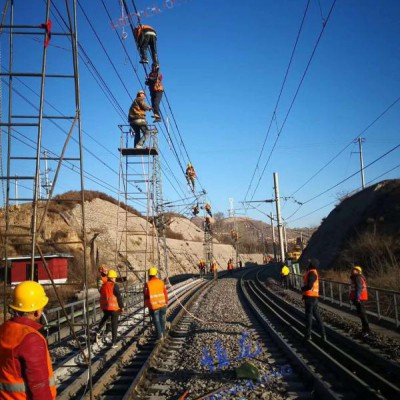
x=230 y=266
x=103 y=270
x=137 y=119
x=208 y=209
x=214 y=268
x=156 y=89
x=25 y=365
x=310 y=295
x=146 y=37
x=111 y=303
x=190 y=175
x=358 y=296
x=156 y=299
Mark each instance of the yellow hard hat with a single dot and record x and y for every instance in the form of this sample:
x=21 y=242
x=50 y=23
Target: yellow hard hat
x=358 y=268
x=189 y=165
x=153 y=271
x=112 y=274
x=29 y=296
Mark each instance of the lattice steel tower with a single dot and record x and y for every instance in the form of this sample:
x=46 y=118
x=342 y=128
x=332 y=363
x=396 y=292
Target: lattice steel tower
x=141 y=181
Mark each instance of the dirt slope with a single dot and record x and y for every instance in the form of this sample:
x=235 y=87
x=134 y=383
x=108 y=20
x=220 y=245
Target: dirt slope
x=361 y=220
x=63 y=225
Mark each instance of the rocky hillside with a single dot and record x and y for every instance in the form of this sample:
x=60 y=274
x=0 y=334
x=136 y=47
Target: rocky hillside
x=363 y=228
x=106 y=241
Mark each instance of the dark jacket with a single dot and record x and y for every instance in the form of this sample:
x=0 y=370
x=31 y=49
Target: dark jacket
x=117 y=294
x=138 y=109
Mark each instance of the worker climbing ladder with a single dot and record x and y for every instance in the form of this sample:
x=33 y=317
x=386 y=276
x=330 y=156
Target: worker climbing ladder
x=141 y=225
x=208 y=253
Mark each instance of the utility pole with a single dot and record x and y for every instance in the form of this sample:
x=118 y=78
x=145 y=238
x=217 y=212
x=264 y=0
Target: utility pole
x=47 y=183
x=361 y=140
x=285 y=236
x=278 y=216
x=273 y=235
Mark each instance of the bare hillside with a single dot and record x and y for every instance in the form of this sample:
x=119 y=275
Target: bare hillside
x=363 y=228
x=184 y=239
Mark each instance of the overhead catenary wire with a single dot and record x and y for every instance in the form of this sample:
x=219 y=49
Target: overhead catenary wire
x=103 y=83
x=295 y=95
x=349 y=177
x=389 y=107
x=279 y=97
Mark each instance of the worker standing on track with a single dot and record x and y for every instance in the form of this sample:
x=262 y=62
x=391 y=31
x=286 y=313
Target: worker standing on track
x=230 y=266
x=25 y=365
x=310 y=295
x=190 y=175
x=214 y=269
x=156 y=88
x=202 y=266
x=285 y=271
x=111 y=303
x=146 y=37
x=358 y=296
x=103 y=270
x=156 y=299
x=137 y=119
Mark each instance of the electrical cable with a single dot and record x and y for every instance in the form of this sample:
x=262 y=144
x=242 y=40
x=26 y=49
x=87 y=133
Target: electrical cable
x=279 y=96
x=295 y=95
x=348 y=145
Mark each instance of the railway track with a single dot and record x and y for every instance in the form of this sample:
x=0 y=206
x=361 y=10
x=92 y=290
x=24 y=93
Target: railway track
x=162 y=377
x=137 y=342
x=338 y=368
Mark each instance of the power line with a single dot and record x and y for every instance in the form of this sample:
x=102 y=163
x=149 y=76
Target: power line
x=353 y=174
x=347 y=146
x=295 y=95
x=279 y=96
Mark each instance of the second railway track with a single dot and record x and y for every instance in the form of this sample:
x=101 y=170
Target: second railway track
x=337 y=368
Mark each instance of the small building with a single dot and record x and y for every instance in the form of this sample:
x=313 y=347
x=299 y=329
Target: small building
x=18 y=268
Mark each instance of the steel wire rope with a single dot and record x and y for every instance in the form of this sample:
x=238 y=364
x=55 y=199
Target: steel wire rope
x=344 y=180
x=353 y=174
x=87 y=61
x=279 y=96
x=104 y=49
x=131 y=24
x=143 y=88
x=167 y=249
x=296 y=94
x=72 y=167
x=348 y=145
x=62 y=114
x=135 y=70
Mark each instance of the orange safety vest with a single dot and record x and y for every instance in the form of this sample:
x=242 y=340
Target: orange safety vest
x=156 y=300
x=314 y=291
x=364 y=291
x=138 y=30
x=12 y=385
x=158 y=86
x=230 y=266
x=108 y=301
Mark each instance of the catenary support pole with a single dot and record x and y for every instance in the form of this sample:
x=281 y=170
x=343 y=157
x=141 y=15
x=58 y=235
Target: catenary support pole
x=278 y=217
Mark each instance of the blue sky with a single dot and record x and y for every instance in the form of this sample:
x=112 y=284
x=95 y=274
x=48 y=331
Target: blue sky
x=223 y=64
